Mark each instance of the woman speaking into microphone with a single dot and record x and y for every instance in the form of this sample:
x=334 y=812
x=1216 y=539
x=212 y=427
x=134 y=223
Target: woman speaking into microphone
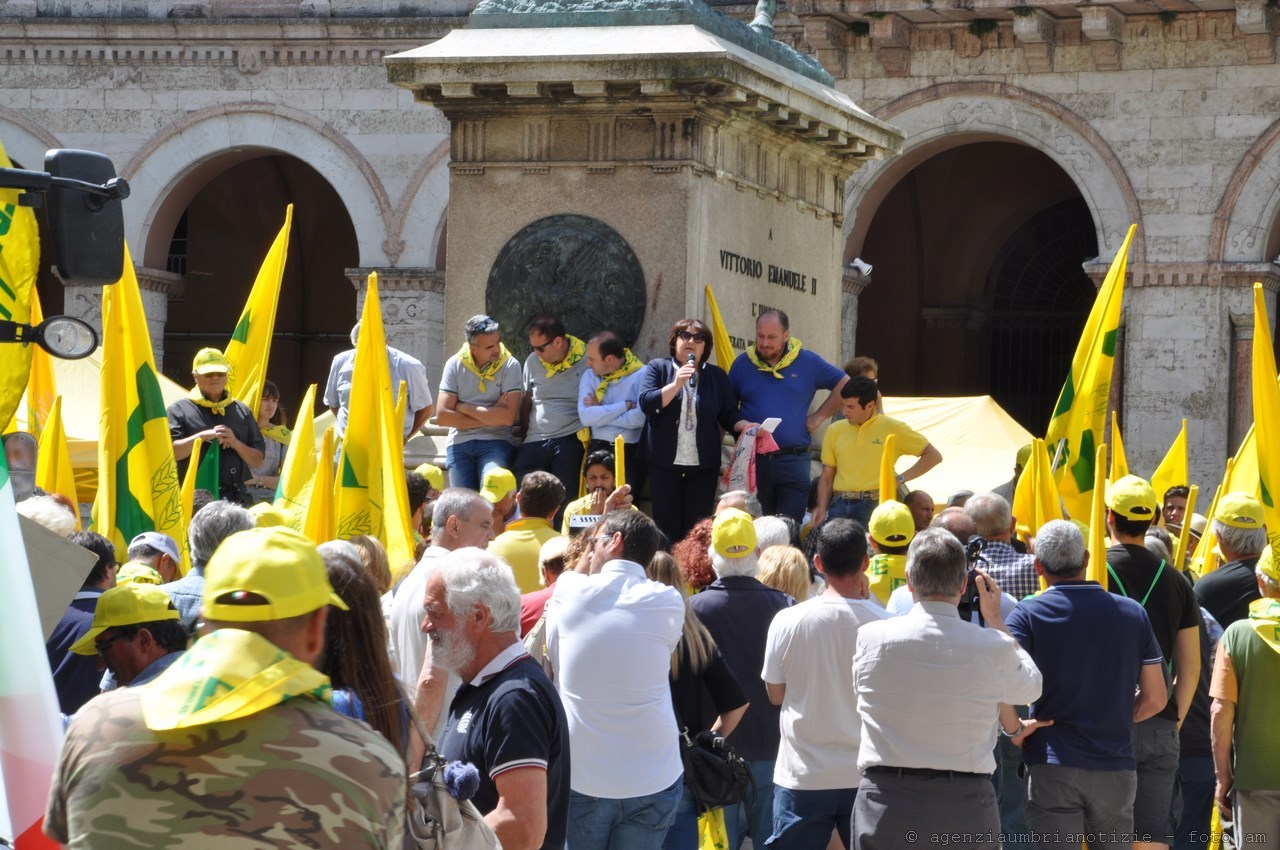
x=686 y=402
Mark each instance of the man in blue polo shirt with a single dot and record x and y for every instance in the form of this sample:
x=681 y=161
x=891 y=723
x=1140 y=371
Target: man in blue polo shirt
x=1093 y=648
x=779 y=377
x=506 y=719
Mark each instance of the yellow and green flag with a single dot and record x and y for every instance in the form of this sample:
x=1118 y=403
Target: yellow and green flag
x=1266 y=417
x=370 y=496
x=250 y=344
x=19 y=264
x=53 y=461
x=1173 y=470
x=1080 y=415
x=1097 y=568
x=722 y=344
x=319 y=521
x=138 y=488
x=293 y=491
x=1119 y=463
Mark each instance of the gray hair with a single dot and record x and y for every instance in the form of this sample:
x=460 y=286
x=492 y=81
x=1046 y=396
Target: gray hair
x=991 y=514
x=455 y=501
x=50 y=513
x=750 y=502
x=959 y=498
x=936 y=565
x=748 y=565
x=339 y=552
x=1060 y=548
x=480 y=326
x=1270 y=587
x=771 y=531
x=212 y=524
x=1245 y=542
x=1158 y=542
x=475 y=577
x=355 y=334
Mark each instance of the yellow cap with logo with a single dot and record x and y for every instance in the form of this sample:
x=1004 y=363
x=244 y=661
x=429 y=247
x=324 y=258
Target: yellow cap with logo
x=1240 y=510
x=733 y=534
x=210 y=361
x=126 y=605
x=497 y=485
x=1132 y=498
x=892 y=524
x=266 y=574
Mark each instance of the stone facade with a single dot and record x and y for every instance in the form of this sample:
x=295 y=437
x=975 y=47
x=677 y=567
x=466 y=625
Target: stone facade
x=1166 y=118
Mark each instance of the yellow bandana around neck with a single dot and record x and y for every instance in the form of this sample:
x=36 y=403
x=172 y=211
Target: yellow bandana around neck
x=630 y=363
x=227 y=675
x=788 y=357
x=488 y=372
x=218 y=407
x=577 y=350
x=1264 y=616
x=279 y=433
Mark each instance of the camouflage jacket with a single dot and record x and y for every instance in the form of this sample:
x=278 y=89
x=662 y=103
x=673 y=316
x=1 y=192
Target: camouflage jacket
x=297 y=775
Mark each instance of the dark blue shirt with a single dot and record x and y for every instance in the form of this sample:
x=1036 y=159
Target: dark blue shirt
x=75 y=677
x=717 y=406
x=737 y=610
x=761 y=395
x=1091 y=646
x=513 y=719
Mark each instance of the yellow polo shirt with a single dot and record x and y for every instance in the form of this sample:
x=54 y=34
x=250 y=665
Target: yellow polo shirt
x=520 y=546
x=854 y=450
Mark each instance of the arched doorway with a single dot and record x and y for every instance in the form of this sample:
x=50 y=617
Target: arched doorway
x=977 y=285
x=217 y=245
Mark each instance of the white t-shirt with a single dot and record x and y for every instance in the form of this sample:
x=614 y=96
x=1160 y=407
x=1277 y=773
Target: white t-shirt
x=810 y=649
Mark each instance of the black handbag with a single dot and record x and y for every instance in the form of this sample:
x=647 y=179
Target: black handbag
x=714 y=774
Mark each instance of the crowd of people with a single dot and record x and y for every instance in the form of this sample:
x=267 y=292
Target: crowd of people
x=891 y=678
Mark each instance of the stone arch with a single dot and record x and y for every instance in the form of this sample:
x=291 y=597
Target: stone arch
x=1245 y=227
x=174 y=164
x=948 y=115
x=24 y=140
x=420 y=215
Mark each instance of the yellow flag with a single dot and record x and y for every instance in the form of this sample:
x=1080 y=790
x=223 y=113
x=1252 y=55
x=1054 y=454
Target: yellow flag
x=1097 y=569
x=318 y=521
x=43 y=388
x=1035 y=499
x=370 y=495
x=1184 y=534
x=53 y=462
x=1080 y=415
x=138 y=487
x=1204 y=559
x=888 y=475
x=19 y=263
x=250 y=343
x=1266 y=417
x=293 y=491
x=1119 y=464
x=722 y=345
x=189 y=501
x=400 y=541
x=1172 y=471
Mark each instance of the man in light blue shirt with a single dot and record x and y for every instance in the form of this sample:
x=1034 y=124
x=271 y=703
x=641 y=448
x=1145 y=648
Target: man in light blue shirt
x=609 y=400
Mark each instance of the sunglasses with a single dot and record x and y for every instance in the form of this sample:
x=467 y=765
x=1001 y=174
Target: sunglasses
x=101 y=646
x=540 y=348
x=688 y=336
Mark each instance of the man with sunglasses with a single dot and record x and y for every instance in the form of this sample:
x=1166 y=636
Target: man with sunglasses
x=549 y=419
x=137 y=633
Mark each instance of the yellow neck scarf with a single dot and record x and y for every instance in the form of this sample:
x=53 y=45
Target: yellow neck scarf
x=577 y=350
x=488 y=372
x=218 y=407
x=279 y=433
x=1264 y=616
x=630 y=363
x=226 y=675
x=788 y=357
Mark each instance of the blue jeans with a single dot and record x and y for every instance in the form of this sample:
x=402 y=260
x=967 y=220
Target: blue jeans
x=757 y=810
x=683 y=834
x=855 y=509
x=804 y=819
x=634 y=823
x=468 y=462
x=1195 y=775
x=782 y=484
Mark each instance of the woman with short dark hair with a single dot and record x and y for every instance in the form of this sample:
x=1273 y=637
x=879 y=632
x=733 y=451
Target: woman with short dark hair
x=686 y=402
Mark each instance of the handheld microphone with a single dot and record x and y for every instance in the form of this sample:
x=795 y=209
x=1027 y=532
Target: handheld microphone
x=691 y=360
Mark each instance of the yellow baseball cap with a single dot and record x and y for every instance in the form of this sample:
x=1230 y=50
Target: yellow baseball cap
x=1267 y=563
x=892 y=524
x=1024 y=455
x=136 y=573
x=433 y=474
x=126 y=605
x=267 y=515
x=1132 y=498
x=210 y=361
x=1239 y=510
x=497 y=485
x=733 y=534
x=266 y=574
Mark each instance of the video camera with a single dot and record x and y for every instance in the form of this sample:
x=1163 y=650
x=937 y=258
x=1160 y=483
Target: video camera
x=969 y=603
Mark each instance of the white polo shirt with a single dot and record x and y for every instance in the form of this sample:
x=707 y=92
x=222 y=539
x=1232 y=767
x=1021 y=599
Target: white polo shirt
x=609 y=638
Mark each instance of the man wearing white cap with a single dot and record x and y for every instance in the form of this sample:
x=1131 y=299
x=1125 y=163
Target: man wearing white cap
x=158 y=551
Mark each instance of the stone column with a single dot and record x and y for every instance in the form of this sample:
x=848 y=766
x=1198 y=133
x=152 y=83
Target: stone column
x=1240 y=366
x=853 y=282
x=155 y=285
x=412 y=312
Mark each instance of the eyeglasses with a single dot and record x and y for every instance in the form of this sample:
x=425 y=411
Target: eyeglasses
x=539 y=348
x=101 y=646
x=689 y=336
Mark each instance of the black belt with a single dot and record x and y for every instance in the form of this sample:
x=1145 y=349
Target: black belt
x=793 y=450
x=925 y=772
